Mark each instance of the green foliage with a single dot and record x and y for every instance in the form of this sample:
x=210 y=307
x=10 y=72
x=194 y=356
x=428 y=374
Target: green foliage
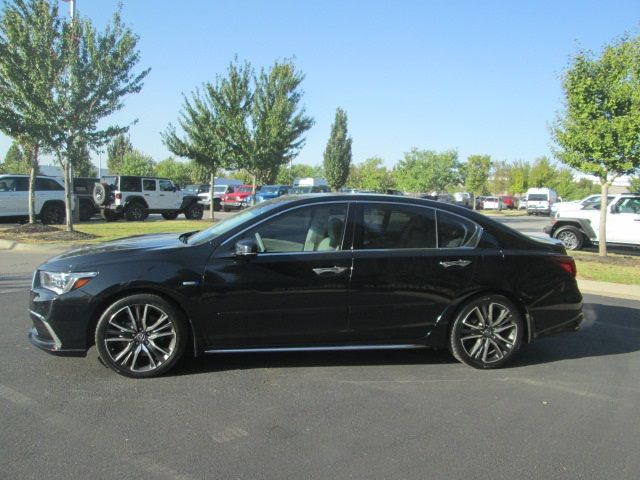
x=542 y=173
x=635 y=183
x=519 y=177
x=337 y=154
x=81 y=160
x=370 y=175
x=119 y=146
x=15 y=161
x=137 y=163
x=476 y=172
x=499 y=177
x=287 y=175
x=599 y=131
x=173 y=170
x=427 y=171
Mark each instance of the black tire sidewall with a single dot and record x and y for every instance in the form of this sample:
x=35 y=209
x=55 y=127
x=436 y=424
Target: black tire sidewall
x=46 y=212
x=151 y=299
x=194 y=212
x=131 y=208
x=455 y=345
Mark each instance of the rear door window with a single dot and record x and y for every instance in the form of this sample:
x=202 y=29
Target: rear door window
x=397 y=227
x=149 y=185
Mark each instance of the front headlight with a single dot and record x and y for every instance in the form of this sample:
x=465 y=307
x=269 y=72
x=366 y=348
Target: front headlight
x=63 y=282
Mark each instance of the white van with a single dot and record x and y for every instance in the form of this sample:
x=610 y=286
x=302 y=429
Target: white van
x=540 y=201
x=309 y=182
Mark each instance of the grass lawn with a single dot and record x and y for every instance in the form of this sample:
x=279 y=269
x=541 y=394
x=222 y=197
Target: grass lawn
x=614 y=268
x=114 y=230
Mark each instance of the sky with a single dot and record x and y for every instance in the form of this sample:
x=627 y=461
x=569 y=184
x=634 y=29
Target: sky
x=480 y=77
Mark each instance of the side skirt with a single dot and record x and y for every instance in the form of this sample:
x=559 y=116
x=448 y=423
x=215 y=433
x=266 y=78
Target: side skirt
x=317 y=349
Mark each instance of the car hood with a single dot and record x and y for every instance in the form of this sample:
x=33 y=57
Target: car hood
x=121 y=250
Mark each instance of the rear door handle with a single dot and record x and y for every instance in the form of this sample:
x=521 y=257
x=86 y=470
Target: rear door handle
x=333 y=270
x=456 y=263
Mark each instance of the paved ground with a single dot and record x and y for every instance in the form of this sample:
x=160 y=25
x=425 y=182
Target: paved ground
x=566 y=409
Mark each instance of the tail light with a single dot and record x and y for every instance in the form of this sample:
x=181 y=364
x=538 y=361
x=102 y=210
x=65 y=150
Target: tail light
x=568 y=264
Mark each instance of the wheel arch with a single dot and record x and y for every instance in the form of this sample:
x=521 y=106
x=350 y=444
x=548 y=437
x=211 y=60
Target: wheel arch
x=147 y=289
x=133 y=199
x=56 y=202
x=581 y=224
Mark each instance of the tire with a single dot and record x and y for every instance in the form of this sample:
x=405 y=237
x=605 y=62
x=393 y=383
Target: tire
x=571 y=237
x=135 y=212
x=195 y=211
x=52 y=214
x=108 y=215
x=141 y=336
x=487 y=332
x=100 y=193
x=226 y=209
x=216 y=205
x=86 y=210
x=170 y=215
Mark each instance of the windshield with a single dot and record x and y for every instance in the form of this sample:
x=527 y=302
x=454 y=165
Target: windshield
x=269 y=189
x=244 y=190
x=228 y=224
x=219 y=189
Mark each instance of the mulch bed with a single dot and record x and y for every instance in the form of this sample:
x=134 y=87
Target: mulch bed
x=34 y=232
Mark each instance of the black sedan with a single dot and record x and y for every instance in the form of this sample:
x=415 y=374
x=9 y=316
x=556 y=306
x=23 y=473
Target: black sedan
x=311 y=272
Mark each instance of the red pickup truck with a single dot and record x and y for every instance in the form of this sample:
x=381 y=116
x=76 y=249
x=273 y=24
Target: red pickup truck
x=239 y=198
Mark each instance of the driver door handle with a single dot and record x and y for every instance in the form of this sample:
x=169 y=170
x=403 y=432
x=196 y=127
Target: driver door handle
x=333 y=270
x=456 y=263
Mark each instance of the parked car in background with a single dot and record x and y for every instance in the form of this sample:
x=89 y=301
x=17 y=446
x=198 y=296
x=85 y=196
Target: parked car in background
x=309 y=189
x=83 y=190
x=522 y=203
x=285 y=275
x=493 y=203
x=134 y=198
x=267 y=192
x=221 y=187
x=591 y=201
x=239 y=197
x=49 y=198
x=462 y=199
x=540 y=201
x=309 y=182
x=578 y=228
x=509 y=201
x=195 y=189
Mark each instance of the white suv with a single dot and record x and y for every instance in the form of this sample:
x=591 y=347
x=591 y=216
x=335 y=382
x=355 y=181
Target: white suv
x=49 y=197
x=136 y=197
x=578 y=227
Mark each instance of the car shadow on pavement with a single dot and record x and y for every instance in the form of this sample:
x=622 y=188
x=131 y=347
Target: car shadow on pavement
x=606 y=330
x=246 y=361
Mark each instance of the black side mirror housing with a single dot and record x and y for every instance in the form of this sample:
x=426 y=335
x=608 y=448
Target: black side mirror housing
x=245 y=248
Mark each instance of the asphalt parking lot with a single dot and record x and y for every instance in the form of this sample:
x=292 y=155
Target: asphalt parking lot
x=566 y=409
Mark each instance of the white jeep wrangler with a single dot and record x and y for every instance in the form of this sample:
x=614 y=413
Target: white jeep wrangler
x=577 y=228
x=134 y=198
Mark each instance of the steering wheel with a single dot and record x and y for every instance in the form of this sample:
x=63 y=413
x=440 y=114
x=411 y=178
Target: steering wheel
x=259 y=242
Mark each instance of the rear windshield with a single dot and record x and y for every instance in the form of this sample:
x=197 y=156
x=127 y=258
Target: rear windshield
x=537 y=197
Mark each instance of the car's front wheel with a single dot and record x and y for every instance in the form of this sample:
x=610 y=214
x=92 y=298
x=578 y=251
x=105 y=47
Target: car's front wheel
x=52 y=214
x=487 y=332
x=141 y=336
x=571 y=237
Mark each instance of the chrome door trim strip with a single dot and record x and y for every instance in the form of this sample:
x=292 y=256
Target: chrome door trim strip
x=317 y=349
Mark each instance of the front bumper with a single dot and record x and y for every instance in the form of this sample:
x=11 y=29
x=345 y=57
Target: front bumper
x=239 y=204
x=60 y=324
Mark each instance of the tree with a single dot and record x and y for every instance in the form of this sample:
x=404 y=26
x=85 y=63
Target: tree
x=288 y=173
x=370 y=175
x=119 y=146
x=31 y=59
x=500 y=177
x=427 y=171
x=15 y=161
x=542 y=173
x=563 y=183
x=138 y=164
x=81 y=160
x=337 y=154
x=599 y=130
x=174 y=170
x=477 y=174
x=635 y=183
x=213 y=122
x=519 y=178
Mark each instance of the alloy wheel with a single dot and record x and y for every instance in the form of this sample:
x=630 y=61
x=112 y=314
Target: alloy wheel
x=488 y=332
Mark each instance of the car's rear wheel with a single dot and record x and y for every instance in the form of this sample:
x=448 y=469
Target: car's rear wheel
x=195 y=211
x=571 y=237
x=141 y=336
x=487 y=332
x=135 y=212
x=52 y=214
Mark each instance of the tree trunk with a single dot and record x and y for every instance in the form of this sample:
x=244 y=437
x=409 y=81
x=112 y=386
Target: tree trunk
x=473 y=199
x=253 y=191
x=211 y=182
x=602 y=231
x=67 y=194
x=32 y=183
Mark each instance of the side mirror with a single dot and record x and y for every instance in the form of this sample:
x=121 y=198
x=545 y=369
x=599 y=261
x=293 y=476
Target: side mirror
x=245 y=248
x=615 y=209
